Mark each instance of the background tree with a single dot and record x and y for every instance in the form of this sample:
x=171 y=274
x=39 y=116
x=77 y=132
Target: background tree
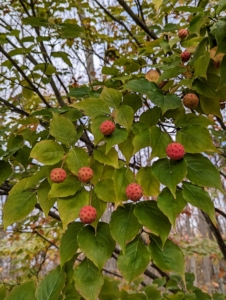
x=157 y=71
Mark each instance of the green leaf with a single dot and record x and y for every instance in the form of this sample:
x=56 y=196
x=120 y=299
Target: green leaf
x=133 y=100
x=196 y=196
x=192 y=119
x=71 y=31
x=122 y=177
x=150 y=216
x=171 y=72
x=110 y=289
x=169 y=206
x=210 y=106
x=151 y=116
x=197 y=21
x=152 y=292
x=220 y=36
x=132 y=296
x=165 y=102
x=135 y=261
x=6 y=171
x=111 y=158
x=142 y=140
x=43 y=200
x=118 y=136
x=46 y=68
x=195 y=139
x=76 y=159
x=88 y=280
x=51 y=286
x=69 y=207
x=169 y=172
x=124 y=116
x=97 y=245
x=35 y=21
x=222 y=73
x=196 y=164
x=149 y=183
x=111 y=97
x=201 y=65
x=202 y=87
x=124 y=225
x=69 y=244
x=169 y=258
x=110 y=71
x=79 y=92
x=159 y=142
x=127 y=147
x=3 y=292
x=105 y=190
x=66 y=188
x=62 y=55
x=92 y=107
x=47 y=152
x=20 y=186
x=63 y=130
x=25 y=291
x=141 y=85
x=18 y=206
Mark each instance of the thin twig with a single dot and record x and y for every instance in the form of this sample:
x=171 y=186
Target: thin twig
x=137 y=20
x=36 y=90
x=118 y=21
x=14 y=108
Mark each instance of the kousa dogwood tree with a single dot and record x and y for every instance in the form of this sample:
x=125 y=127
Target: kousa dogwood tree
x=70 y=145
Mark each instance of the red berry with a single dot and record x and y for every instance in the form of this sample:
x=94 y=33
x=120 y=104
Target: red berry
x=134 y=191
x=85 y=174
x=185 y=56
x=88 y=214
x=107 y=127
x=175 y=151
x=183 y=33
x=190 y=100
x=58 y=175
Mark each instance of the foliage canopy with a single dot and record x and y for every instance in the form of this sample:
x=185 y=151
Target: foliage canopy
x=135 y=77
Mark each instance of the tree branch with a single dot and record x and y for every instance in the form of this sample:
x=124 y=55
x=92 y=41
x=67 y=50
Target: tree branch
x=220 y=212
x=14 y=108
x=137 y=20
x=118 y=21
x=36 y=90
x=217 y=235
x=51 y=213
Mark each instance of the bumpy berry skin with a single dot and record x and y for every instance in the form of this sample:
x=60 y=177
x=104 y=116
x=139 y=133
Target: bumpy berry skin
x=183 y=33
x=152 y=75
x=85 y=174
x=175 y=151
x=107 y=127
x=88 y=214
x=185 y=56
x=58 y=175
x=134 y=191
x=190 y=100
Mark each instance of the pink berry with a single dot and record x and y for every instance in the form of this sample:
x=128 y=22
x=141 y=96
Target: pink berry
x=175 y=151
x=134 y=191
x=85 y=174
x=185 y=56
x=107 y=127
x=58 y=175
x=88 y=214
